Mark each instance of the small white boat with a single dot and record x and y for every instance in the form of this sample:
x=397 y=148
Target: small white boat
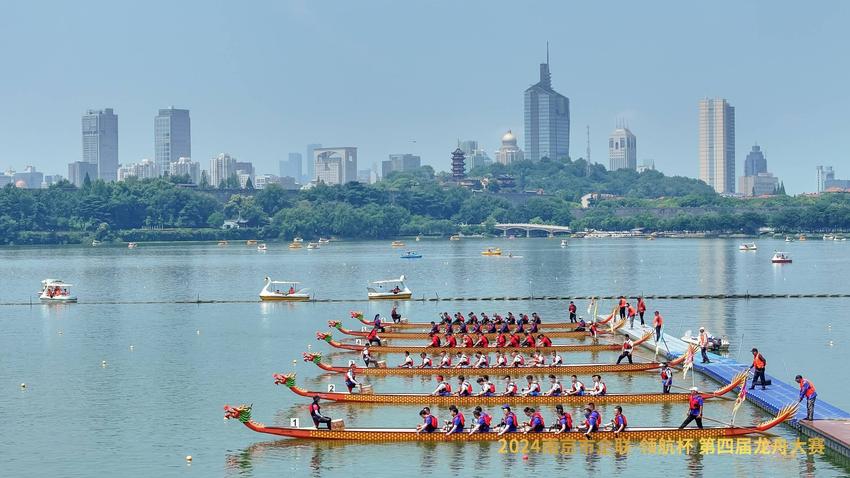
x=54 y=290
x=454 y=237
x=563 y=243
x=323 y=240
x=714 y=343
x=780 y=258
x=312 y=245
x=828 y=237
x=789 y=239
x=748 y=246
x=95 y=243
x=132 y=245
x=289 y=292
x=262 y=247
x=298 y=240
x=391 y=289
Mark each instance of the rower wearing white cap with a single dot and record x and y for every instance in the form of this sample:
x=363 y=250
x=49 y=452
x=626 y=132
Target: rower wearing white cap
x=695 y=403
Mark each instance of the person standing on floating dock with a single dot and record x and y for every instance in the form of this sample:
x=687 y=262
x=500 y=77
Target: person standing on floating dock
x=695 y=403
x=703 y=344
x=622 y=307
x=666 y=377
x=658 y=322
x=631 y=313
x=759 y=364
x=807 y=390
x=572 y=309
x=641 y=309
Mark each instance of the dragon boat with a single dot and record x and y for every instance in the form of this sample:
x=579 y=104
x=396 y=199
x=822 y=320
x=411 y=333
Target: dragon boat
x=242 y=413
x=423 y=399
x=424 y=348
x=555 y=334
x=570 y=369
x=425 y=325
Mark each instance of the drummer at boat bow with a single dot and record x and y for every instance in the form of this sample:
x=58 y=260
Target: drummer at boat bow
x=695 y=403
x=316 y=414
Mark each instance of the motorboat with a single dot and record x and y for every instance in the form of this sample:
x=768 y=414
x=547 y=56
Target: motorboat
x=283 y=291
x=222 y=243
x=492 y=251
x=262 y=248
x=789 y=239
x=780 y=258
x=828 y=237
x=54 y=290
x=391 y=289
x=298 y=240
x=748 y=246
x=132 y=245
x=295 y=245
x=312 y=245
x=419 y=237
x=803 y=237
x=397 y=244
x=563 y=243
x=95 y=243
x=454 y=237
x=411 y=255
x=715 y=344
x=251 y=242
x=323 y=240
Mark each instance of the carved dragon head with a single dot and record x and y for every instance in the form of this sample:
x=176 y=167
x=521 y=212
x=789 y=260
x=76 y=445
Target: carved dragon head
x=324 y=336
x=356 y=315
x=312 y=357
x=239 y=412
x=287 y=379
x=335 y=324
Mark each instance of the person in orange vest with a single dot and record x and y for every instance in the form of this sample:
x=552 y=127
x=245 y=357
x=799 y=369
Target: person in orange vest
x=807 y=391
x=630 y=311
x=658 y=322
x=641 y=308
x=628 y=345
x=759 y=364
x=622 y=307
x=702 y=339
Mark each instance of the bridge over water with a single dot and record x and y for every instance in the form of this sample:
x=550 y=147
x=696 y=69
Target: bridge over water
x=550 y=229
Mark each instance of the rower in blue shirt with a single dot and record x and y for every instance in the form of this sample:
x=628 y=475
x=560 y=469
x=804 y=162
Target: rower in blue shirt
x=509 y=424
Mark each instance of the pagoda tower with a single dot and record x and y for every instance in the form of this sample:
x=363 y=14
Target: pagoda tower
x=458 y=165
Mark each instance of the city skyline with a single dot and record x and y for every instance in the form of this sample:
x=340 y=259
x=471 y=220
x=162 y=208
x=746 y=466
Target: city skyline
x=260 y=109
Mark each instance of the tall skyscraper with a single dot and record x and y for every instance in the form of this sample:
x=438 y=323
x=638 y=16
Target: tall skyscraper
x=78 y=170
x=825 y=173
x=291 y=167
x=717 y=144
x=172 y=132
x=311 y=161
x=547 y=119
x=755 y=162
x=335 y=165
x=100 y=142
x=221 y=167
x=622 y=149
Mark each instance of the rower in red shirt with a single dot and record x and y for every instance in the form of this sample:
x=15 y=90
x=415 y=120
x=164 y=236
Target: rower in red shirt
x=482 y=341
x=501 y=340
x=435 y=340
x=544 y=341
x=514 y=341
x=467 y=340
x=528 y=341
x=451 y=341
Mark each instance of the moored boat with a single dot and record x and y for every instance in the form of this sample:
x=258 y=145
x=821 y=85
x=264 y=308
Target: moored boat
x=780 y=258
x=298 y=240
x=492 y=251
x=132 y=245
x=323 y=240
x=95 y=243
x=289 y=292
x=422 y=399
x=748 y=246
x=789 y=239
x=714 y=343
x=243 y=412
x=563 y=243
x=251 y=242
x=454 y=237
x=555 y=334
x=295 y=245
x=411 y=255
x=313 y=245
x=54 y=290
x=397 y=244
x=382 y=290
x=222 y=243
x=415 y=349
x=562 y=370
x=262 y=247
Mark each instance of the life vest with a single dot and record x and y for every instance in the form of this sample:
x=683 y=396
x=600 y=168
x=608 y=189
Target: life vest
x=623 y=419
x=467 y=341
x=569 y=420
x=641 y=305
x=557 y=360
x=462 y=420
x=451 y=341
x=512 y=417
x=519 y=359
x=538 y=416
x=810 y=391
x=447 y=387
x=631 y=311
x=349 y=376
x=491 y=387
x=572 y=308
x=435 y=341
x=463 y=360
x=622 y=303
x=658 y=320
x=601 y=388
x=694 y=402
x=483 y=341
x=598 y=418
x=511 y=389
x=703 y=339
x=431 y=421
x=465 y=388
x=372 y=334
x=665 y=374
x=534 y=387
x=487 y=418
x=501 y=340
x=627 y=346
x=545 y=342
x=578 y=387
x=446 y=361
x=758 y=361
x=501 y=361
x=426 y=362
x=514 y=341
x=314 y=408
x=528 y=341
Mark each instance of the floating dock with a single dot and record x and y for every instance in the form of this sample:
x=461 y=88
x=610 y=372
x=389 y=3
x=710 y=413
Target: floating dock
x=831 y=423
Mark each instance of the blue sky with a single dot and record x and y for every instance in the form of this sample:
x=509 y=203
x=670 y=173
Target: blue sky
x=265 y=78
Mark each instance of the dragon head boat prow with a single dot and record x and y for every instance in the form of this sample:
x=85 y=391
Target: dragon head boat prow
x=645 y=337
x=287 y=379
x=239 y=412
x=681 y=358
x=327 y=337
x=737 y=381
x=356 y=315
x=312 y=357
x=335 y=324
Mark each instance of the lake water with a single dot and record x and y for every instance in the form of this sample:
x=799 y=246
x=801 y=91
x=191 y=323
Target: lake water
x=155 y=403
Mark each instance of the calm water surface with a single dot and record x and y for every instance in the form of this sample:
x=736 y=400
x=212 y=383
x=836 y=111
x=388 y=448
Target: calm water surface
x=149 y=407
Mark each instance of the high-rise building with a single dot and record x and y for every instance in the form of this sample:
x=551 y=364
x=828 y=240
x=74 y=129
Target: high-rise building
x=622 y=150
x=172 y=130
x=291 y=167
x=144 y=169
x=717 y=144
x=547 y=119
x=509 y=152
x=186 y=167
x=755 y=162
x=78 y=170
x=221 y=167
x=761 y=184
x=311 y=161
x=468 y=146
x=400 y=162
x=335 y=165
x=824 y=174
x=100 y=142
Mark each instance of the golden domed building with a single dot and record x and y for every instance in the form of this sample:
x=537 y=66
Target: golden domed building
x=509 y=152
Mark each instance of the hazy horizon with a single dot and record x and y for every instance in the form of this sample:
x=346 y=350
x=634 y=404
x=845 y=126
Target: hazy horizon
x=391 y=77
